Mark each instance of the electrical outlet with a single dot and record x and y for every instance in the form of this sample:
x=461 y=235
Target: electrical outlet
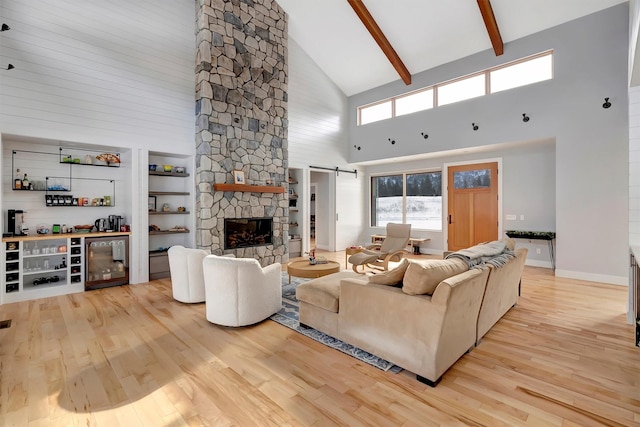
x=538 y=251
x=521 y=217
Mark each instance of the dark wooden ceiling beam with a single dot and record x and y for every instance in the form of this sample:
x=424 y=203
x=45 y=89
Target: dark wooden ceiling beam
x=377 y=34
x=492 y=26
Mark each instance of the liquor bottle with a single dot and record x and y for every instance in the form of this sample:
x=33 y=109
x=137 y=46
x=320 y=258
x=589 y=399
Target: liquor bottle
x=17 y=183
x=25 y=182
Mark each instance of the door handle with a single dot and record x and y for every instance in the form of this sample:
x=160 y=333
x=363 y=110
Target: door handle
x=450 y=222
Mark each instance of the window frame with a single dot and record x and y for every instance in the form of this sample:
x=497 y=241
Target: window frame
x=487 y=86
x=404 y=195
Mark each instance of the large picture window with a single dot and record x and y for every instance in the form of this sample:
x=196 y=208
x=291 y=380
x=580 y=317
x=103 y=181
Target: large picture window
x=407 y=198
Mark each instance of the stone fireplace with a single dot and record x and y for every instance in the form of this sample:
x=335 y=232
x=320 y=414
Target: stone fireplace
x=241 y=121
x=247 y=232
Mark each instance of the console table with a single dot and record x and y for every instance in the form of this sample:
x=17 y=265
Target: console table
x=549 y=236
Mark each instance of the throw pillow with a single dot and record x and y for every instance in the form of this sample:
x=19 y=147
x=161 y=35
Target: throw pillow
x=510 y=243
x=391 y=277
x=424 y=276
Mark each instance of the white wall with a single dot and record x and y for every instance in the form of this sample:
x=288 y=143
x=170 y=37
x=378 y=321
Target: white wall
x=591 y=174
x=528 y=188
x=634 y=180
x=318 y=115
x=317 y=136
x=116 y=73
x=110 y=74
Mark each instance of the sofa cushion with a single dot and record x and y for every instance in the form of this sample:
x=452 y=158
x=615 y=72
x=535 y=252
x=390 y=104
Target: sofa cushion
x=422 y=277
x=324 y=292
x=391 y=277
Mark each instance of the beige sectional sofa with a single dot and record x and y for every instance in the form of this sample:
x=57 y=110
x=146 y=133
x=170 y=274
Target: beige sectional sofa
x=423 y=333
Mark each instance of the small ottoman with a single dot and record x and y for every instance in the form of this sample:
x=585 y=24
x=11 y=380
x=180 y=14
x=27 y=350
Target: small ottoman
x=319 y=301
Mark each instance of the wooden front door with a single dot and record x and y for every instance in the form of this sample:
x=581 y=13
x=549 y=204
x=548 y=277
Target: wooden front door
x=472 y=204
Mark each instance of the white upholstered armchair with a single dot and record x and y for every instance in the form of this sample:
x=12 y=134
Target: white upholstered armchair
x=239 y=291
x=185 y=265
x=187 y=279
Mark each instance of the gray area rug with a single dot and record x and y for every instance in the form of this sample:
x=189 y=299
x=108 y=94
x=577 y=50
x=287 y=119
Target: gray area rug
x=288 y=316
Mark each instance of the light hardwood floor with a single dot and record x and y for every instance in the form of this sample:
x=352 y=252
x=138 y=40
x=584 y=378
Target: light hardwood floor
x=132 y=356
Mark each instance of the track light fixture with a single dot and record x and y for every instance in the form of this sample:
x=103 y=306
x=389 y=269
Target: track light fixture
x=424 y=135
x=606 y=104
x=392 y=141
x=5 y=27
x=475 y=126
x=9 y=67
x=525 y=118
x=357 y=147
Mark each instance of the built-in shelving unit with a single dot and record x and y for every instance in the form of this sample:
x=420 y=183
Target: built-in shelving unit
x=169 y=193
x=85 y=157
x=64 y=179
x=163 y=173
x=43 y=266
x=295 y=219
x=170 y=205
x=159 y=233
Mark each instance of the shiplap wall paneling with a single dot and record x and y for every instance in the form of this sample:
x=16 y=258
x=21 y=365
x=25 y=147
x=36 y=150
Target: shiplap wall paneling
x=107 y=70
x=38 y=166
x=317 y=114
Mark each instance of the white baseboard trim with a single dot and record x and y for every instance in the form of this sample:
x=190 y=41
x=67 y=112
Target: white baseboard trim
x=590 y=277
x=538 y=263
x=601 y=278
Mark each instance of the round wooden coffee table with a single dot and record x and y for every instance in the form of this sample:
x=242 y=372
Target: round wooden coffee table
x=303 y=269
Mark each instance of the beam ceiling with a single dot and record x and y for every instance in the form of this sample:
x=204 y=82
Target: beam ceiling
x=492 y=26
x=377 y=34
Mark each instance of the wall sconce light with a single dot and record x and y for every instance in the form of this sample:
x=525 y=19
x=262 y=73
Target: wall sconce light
x=4 y=27
x=357 y=147
x=606 y=104
x=392 y=141
x=424 y=135
x=525 y=118
x=9 y=67
x=475 y=126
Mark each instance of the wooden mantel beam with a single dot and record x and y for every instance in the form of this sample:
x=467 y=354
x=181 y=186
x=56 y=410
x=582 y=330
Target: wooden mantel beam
x=377 y=34
x=492 y=26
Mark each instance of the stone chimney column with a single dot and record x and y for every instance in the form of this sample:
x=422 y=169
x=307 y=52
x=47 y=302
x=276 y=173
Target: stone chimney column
x=241 y=119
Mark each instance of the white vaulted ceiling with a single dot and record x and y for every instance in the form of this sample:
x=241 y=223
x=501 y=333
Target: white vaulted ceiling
x=424 y=33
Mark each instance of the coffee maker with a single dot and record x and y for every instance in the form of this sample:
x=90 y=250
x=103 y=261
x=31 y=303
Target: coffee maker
x=15 y=222
x=115 y=222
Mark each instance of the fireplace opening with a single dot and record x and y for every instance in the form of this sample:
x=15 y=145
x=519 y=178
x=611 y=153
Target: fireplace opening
x=247 y=232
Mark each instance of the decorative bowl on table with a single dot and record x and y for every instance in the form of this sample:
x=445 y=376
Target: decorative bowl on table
x=153 y=167
x=167 y=168
x=179 y=169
